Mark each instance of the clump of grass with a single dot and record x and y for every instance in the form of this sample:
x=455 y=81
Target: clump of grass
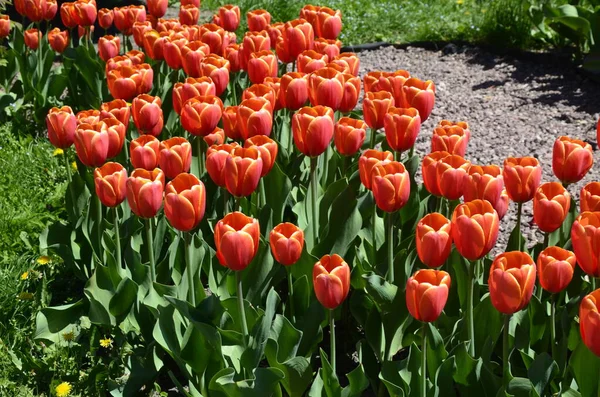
x=506 y=23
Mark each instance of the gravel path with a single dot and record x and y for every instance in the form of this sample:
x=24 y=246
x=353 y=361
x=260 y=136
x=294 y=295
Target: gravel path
x=514 y=107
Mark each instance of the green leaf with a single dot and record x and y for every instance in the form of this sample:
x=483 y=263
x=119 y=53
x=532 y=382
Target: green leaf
x=277 y=189
x=123 y=299
x=515 y=240
x=51 y=321
x=541 y=372
x=265 y=383
x=382 y=292
x=519 y=387
x=488 y=324
x=585 y=366
x=436 y=351
x=468 y=369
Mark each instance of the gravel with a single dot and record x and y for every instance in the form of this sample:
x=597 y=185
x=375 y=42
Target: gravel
x=515 y=106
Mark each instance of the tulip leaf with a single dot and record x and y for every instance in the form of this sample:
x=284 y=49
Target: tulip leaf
x=51 y=321
x=260 y=333
x=265 y=383
x=585 y=366
x=468 y=369
x=357 y=380
x=258 y=277
x=277 y=189
x=444 y=384
x=541 y=372
x=488 y=322
x=123 y=299
x=516 y=241
x=382 y=292
x=375 y=334
x=538 y=318
x=436 y=351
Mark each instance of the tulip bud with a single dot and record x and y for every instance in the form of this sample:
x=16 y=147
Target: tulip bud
x=232 y=53
x=86 y=12
x=91 y=144
x=369 y=159
x=351 y=93
x=116 y=109
x=275 y=84
x=200 y=115
x=434 y=241
x=589 y=321
x=243 y=169
x=522 y=177
x=475 y=228
x=185 y=202
x=58 y=40
x=571 y=159
x=237 y=238
x=139 y=30
x=32 y=38
x=401 y=128
x=427 y=293
x=555 y=266
x=331 y=280
x=216 y=157
x=144 y=152
x=191 y=55
x=326 y=88
x=312 y=128
x=61 y=124
x=110 y=181
x=420 y=94
x=502 y=204
x=511 y=281
x=67 y=14
x=189 y=14
x=229 y=16
x=157 y=8
x=147 y=114
x=4 y=26
x=51 y=8
x=105 y=18
x=145 y=192
x=254 y=117
x=261 y=65
x=293 y=93
x=287 y=241
x=264 y=91
x=258 y=20
x=275 y=31
x=453 y=140
x=550 y=206
x=175 y=156
x=584 y=234
x=267 y=148
x=375 y=106
x=108 y=47
x=349 y=135
x=172 y=52
x=230 y=123
x=590 y=197
x=298 y=36
x=217 y=68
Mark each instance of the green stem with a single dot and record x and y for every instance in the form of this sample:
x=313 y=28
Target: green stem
x=345 y=163
x=99 y=230
x=373 y=234
x=470 y=323
x=290 y=138
x=440 y=205
x=372 y=138
x=188 y=263
x=546 y=239
x=240 y=299
x=39 y=53
x=290 y=291
x=519 y=211
x=424 y=361
x=332 y=338
x=117 y=237
x=263 y=194
x=505 y=348
x=411 y=152
x=200 y=148
x=150 y=248
x=593 y=282
x=234 y=88
x=325 y=165
x=225 y=200
x=553 y=325
x=69 y=179
x=390 y=246
x=398 y=156
x=313 y=185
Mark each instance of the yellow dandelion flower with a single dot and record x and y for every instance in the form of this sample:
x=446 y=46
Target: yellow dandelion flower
x=43 y=260
x=24 y=276
x=58 y=152
x=68 y=336
x=25 y=296
x=106 y=343
x=459 y=2
x=63 y=390
x=74 y=166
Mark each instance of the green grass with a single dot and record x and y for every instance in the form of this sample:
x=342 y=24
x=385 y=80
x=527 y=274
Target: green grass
x=500 y=22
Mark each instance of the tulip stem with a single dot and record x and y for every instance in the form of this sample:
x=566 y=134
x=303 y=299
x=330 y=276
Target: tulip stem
x=225 y=201
x=519 y=210
x=238 y=277
x=200 y=148
x=313 y=184
x=263 y=194
x=117 y=237
x=234 y=88
x=373 y=235
x=238 y=203
x=546 y=240
x=372 y=138
x=505 y=349
x=424 y=361
x=325 y=158
x=39 y=53
x=470 y=323
x=345 y=163
x=69 y=179
x=290 y=291
x=390 y=241
x=287 y=118
x=150 y=248
x=593 y=282
x=332 y=338
x=553 y=324
x=99 y=230
x=188 y=263
x=398 y=156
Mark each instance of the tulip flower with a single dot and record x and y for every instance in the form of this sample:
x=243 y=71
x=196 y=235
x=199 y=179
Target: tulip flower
x=217 y=68
x=331 y=280
x=116 y=109
x=511 y=281
x=243 y=170
x=192 y=87
x=330 y=48
x=310 y=61
x=555 y=267
x=35 y=10
x=191 y=55
x=232 y=53
x=237 y=239
x=351 y=93
x=312 y=128
x=189 y=14
x=91 y=116
x=590 y=197
x=267 y=148
x=571 y=159
x=32 y=38
x=144 y=152
x=86 y=12
x=172 y=51
x=369 y=159
x=589 y=321
x=451 y=139
x=51 y=9
x=108 y=47
x=329 y=23
x=110 y=181
x=185 y=202
x=154 y=43
x=391 y=185
x=216 y=137
x=92 y=144
x=147 y=114
x=139 y=30
x=434 y=241
x=485 y=183
x=349 y=61
x=444 y=174
x=502 y=204
x=127 y=82
x=230 y=123
x=157 y=8
x=293 y=92
x=261 y=65
x=254 y=117
x=229 y=16
x=258 y=20
x=275 y=84
x=253 y=42
x=67 y=14
x=326 y=88
x=264 y=91
x=105 y=18
x=298 y=36
x=420 y=94
x=275 y=30
x=200 y=115
x=61 y=124
x=375 y=106
x=584 y=237
x=426 y=294
x=349 y=135
x=145 y=192
x=475 y=228
x=521 y=177
x=58 y=40
x=550 y=206
x=401 y=128
x=215 y=37
x=287 y=241
x=85 y=31
x=390 y=82
x=175 y=156
x=216 y=157
x=453 y=124
x=4 y=26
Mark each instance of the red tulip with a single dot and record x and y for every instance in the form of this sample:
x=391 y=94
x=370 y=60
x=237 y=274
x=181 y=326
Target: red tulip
x=67 y=13
x=484 y=182
x=91 y=116
x=58 y=40
x=216 y=137
x=369 y=159
x=200 y=115
x=157 y=8
x=267 y=148
x=555 y=267
x=144 y=152
x=401 y=128
x=108 y=47
x=229 y=16
x=375 y=106
x=275 y=31
x=172 y=51
x=232 y=53
x=521 y=177
x=420 y=94
x=230 y=123
x=32 y=38
x=191 y=55
x=331 y=48
x=511 y=281
x=175 y=156
x=147 y=114
x=86 y=12
x=91 y=144
x=298 y=36
x=216 y=157
x=444 y=174
x=217 y=68
x=264 y=91
x=185 y=202
x=287 y=241
x=293 y=92
x=550 y=206
x=116 y=109
x=127 y=82
x=139 y=30
x=237 y=238
x=275 y=84
x=243 y=169
x=251 y=43
x=51 y=9
x=331 y=279
x=61 y=124
x=189 y=14
x=571 y=159
x=258 y=20
x=261 y=65
x=254 y=117
x=105 y=18
x=351 y=93
x=391 y=185
x=145 y=192
x=349 y=61
x=312 y=128
x=110 y=181
x=326 y=88
x=475 y=228
x=349 y=135
x=590 y=197
x=589 y=321
x=193 y=87
x=451 y=139
x=310 y=61
x=4 y=26
x=427 y=293
x=585 y=237
x=35 y=10
x=434 y=241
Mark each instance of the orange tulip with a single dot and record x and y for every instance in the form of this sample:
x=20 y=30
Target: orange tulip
x=229 y=16
x=61 y=124
x=351 y=93
x=253 y=42
x=192 y=54
x=585 y=237
x=126 y=17
x=475 y=228
x=243 y=169
x=35 y=9
x=216 y=137
x=139 y=30
x=116 y=109
x=189 y=14
x=145 y=192
x=275 y=31
x=420 y=94
x=67 y=14
x=522 y=177
x=105 y=18
x=401 y=128
x=192 y=87
x=298 y=36
x=127 y=82
x=32 y=38
x=216 y=157
x=264 y=91
x=590 y=197
x=449 y=124
x=391 y=82
x=51 y=8
x=200 y=115
x=555 y=266
x=326 y=88
x=369 y=159
x=312 y=128
x=550 y=206
x=293 y=93
x=571 y=159
x=157 y=8
x=275 y=84
x=451 y=171
x=287 y=241
x=108 y=47
x=217 y=68
x=349 y=135
x=172 y=51
x=58 y=40
x=254 y=117
x=85 y=31
x=91 y=144
x=331 y=279
x=258 y=20
x=589 y=321
x=110 y=181
x=144 y=152
x=267 y=148
x=147 y=114
x=194 y=2
x=116 y=133
x=429 y=167
x=117 y=62
x=230 y=123
x=375 y=106
x=330 y=48
x=4 y=26
x=329 y=23
x=185 y=202
x=154 y=44
x=434 y=241
x=427 y=293
x=261 y=65
x=453 y=140
x=501 y=206
x=136 y=57
x=233 y=55
x=349 y=61
x=391 y=185
x=310 y=61
x=511 y=281
x=86 y=12
x=175 y=156
x=485 y=183
x=237 y=238
x=20 y=7
x=91 y=116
